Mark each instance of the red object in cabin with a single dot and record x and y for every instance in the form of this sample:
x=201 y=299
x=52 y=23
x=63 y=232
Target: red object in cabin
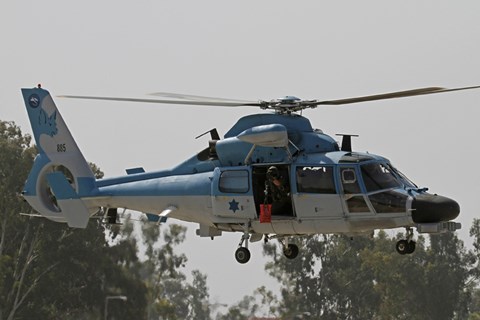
x=265 y=213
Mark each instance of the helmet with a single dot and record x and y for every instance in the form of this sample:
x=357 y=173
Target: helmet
x=272 y=172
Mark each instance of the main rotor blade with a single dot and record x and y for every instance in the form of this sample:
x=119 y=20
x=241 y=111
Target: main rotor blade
x=392 y=95
x=196 y=98
x=194 y=103
x=277 y=105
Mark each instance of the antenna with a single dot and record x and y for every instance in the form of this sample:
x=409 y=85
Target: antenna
x=346 y=141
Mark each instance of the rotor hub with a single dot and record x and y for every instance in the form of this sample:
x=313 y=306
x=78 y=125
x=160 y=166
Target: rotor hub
x=287 y=104
x=287 y=100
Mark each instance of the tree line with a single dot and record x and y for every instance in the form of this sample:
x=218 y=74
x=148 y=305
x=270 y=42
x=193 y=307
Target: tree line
x=50 y=271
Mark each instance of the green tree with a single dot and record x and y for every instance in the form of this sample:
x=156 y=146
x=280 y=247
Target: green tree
x=335 y=277
x=475 y=234
x=170 y=295
x=17 y=239
x=326 y=280
x=474 y=307
x=243 y=310
x=262 y=301
x=47 y=270
x=85 y=273
x=447 y=277
x=152 y=255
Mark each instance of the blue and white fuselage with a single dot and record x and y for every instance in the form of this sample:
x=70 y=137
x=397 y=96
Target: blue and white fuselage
x=224 y=187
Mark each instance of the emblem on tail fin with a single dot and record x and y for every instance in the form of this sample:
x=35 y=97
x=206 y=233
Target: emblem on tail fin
x=34 y=100
x=47 y=124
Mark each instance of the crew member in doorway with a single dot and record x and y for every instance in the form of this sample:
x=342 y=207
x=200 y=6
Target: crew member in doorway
x=277 y=192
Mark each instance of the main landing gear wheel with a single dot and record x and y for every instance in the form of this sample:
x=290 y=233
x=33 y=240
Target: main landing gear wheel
x=242 y=255
x=290 y=251
x=411 y=247
x=405 y=247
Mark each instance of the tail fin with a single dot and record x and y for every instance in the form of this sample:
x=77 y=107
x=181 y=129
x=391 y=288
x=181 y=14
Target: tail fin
x=60 y=174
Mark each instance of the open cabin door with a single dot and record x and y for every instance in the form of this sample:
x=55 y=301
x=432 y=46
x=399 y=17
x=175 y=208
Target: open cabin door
x=232 y=195
x=273 y=187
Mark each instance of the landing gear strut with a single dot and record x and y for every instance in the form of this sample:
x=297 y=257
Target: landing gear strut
x=406 y=246
x=242 y=254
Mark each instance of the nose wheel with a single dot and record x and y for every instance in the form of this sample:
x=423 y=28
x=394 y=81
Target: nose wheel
x=290 y=250
x=406 y=246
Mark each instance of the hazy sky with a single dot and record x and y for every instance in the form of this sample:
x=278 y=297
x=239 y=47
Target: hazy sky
x=253 y=50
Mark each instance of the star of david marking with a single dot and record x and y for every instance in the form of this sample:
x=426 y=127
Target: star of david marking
x=233 y=205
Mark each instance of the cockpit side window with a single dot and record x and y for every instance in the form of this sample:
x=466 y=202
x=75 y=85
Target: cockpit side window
x=316 y=179
x=351 y=188
x=378 y=176
x=349 y=180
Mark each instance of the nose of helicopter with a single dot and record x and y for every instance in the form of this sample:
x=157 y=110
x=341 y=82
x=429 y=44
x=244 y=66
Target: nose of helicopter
x=434 y=208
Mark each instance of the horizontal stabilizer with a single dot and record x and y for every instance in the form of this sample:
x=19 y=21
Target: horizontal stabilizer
x=152 y=217
x=162 y=217
x=135 y=170
x=165 y=213
x=75 y=212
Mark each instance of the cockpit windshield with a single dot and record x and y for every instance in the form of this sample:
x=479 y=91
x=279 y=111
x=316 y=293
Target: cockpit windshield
x=407 y=182
x=379 y=176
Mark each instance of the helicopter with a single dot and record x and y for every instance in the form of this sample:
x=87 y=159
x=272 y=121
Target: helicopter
x=272 y=176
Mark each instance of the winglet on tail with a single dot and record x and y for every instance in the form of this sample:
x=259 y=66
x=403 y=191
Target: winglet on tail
x=60 y=175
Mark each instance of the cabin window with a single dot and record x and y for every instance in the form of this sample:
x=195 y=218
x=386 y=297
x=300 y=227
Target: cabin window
x=357 y=204
x=235 y=181
x=378 y=176
x=349 y=181
x=317 y=179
